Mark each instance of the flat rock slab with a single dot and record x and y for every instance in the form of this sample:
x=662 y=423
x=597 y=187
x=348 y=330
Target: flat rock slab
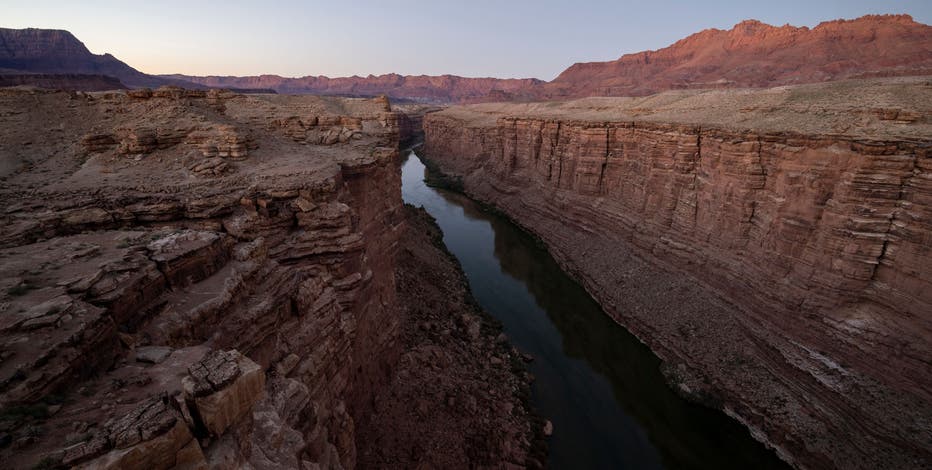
x=153 y=354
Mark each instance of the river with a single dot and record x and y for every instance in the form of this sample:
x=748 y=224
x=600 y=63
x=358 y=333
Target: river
x=599 y=385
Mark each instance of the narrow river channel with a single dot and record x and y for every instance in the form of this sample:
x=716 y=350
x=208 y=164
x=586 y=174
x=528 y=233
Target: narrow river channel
x=601 y=387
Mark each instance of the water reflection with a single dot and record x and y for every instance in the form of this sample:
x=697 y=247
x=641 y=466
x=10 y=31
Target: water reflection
x=598 y=384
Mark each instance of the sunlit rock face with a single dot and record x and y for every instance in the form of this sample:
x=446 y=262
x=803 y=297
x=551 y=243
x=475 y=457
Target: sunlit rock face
x=773 y=247
x=756 y=54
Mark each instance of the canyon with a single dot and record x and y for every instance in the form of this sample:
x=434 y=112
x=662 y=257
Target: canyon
x=200 y=272
x=772 y=246
x=204 y=279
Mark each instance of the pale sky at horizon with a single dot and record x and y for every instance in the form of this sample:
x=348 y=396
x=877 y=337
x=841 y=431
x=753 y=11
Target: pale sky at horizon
x=519 y=38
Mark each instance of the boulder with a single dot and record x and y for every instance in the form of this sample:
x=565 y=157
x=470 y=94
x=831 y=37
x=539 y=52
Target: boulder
x=222 y=388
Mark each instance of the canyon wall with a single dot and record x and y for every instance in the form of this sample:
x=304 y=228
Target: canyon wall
x=191 y=278
x=778 y=260
x=411 y=121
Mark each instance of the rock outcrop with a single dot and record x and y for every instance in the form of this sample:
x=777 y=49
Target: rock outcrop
x=117 y=245
x=221 y=389
x=773 y=247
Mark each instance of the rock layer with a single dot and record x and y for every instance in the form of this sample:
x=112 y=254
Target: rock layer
x=776 y=259
x=286 y=257
x=756 y=54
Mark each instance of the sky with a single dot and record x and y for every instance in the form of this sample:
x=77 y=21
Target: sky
x=473 y=38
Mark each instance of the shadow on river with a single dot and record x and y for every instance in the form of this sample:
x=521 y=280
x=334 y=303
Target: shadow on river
x=600 y=386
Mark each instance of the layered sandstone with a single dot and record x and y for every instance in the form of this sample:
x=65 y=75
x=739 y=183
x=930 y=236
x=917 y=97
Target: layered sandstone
x=772 y=246
x=756 y=54
x=145 y=228
x=200 y=266
x=202 y=279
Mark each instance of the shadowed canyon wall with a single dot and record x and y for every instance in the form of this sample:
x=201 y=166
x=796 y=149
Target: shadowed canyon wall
x=204 y=279
x=782 y=275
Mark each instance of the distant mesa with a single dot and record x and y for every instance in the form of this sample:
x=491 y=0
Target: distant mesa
x=755 y=54
x=400 y=88
x=751 y=54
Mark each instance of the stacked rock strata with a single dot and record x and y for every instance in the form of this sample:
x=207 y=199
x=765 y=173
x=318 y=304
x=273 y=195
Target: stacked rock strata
x=150 y=319
x=780 y=265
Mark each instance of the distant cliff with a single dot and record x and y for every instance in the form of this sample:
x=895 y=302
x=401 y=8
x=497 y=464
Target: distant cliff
x=405 y=88
x=52 y=51
x=751 y=54
x=755 y=54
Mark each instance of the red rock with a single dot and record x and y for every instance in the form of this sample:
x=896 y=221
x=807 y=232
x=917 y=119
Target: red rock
x=288 y=256
x=755 y=54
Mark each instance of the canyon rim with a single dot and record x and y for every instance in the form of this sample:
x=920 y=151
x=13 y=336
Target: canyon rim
x=218 y=271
